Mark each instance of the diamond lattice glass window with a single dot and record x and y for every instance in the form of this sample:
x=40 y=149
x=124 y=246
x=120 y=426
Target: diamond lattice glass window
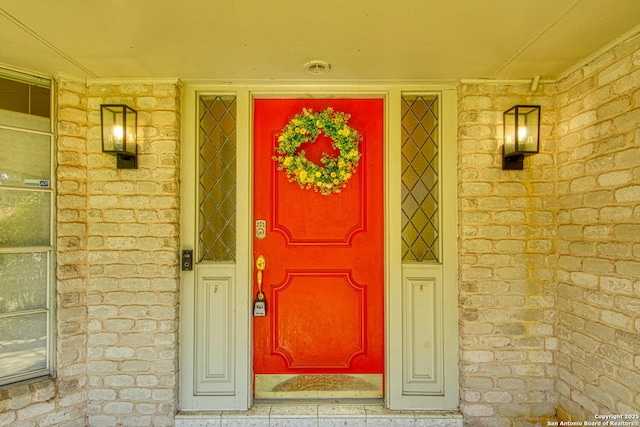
x=420 y=187
x=217 y=187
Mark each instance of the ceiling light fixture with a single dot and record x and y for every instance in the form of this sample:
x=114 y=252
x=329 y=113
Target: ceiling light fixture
x=317 y=67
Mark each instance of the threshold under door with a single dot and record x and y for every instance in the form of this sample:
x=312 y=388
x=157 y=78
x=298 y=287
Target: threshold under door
x=318 y=386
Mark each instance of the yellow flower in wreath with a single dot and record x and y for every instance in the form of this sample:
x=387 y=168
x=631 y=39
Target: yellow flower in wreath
x=305 y=127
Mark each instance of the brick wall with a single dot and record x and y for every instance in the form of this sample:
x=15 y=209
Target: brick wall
x=117 y=268
x=598 y=162
x=550 y=256
x=132 y=239
x=507 y=223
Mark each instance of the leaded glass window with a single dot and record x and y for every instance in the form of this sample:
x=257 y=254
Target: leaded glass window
x=420 y=184
x=217 y=173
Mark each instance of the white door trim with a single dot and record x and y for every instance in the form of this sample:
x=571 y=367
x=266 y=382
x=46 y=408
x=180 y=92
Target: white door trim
x=239 y=394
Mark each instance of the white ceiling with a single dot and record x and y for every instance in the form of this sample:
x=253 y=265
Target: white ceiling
x=272 y=39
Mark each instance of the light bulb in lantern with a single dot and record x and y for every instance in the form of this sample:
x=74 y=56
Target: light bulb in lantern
x=118 y=134
x=522 y=133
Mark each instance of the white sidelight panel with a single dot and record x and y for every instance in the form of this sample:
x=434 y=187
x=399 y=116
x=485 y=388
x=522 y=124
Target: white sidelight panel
x=422 y=331
x=215 y=322
x=422 y=357
x=214 y=359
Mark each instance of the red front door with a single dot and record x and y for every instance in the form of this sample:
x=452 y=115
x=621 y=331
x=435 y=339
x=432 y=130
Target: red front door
x=324 y=275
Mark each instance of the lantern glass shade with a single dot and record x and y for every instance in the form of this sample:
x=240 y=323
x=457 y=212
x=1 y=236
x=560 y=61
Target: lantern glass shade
x=119 y=123
x=521 y=130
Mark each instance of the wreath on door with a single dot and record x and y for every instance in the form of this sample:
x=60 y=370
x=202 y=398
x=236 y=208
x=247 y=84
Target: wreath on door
x=334 y=172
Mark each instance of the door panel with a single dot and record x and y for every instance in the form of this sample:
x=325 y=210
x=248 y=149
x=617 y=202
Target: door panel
x=214 y=337
x=301 y=226
x=324 y=275
x=296 y=297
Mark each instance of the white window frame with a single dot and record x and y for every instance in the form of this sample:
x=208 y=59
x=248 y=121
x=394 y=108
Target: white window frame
x=49 y=250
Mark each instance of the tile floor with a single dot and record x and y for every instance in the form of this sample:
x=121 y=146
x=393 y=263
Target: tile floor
x=320 y=415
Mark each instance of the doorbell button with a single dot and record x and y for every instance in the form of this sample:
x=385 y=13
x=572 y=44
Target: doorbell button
x=261 y=228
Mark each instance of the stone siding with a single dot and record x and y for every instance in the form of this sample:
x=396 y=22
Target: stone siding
x=598 y=185
x=117 y=268
x=507 y=227
x=550 y=256
x=132 y=238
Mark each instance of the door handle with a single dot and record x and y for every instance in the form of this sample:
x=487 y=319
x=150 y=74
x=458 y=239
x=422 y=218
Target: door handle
x=261 y=263
x=260 y=305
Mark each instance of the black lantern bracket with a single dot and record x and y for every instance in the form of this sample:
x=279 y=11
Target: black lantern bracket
x=119 y=125
x=521 y=133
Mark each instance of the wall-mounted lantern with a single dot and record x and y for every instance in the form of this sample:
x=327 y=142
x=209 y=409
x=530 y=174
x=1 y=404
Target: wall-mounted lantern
x=521 y=135
x=119 y=128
